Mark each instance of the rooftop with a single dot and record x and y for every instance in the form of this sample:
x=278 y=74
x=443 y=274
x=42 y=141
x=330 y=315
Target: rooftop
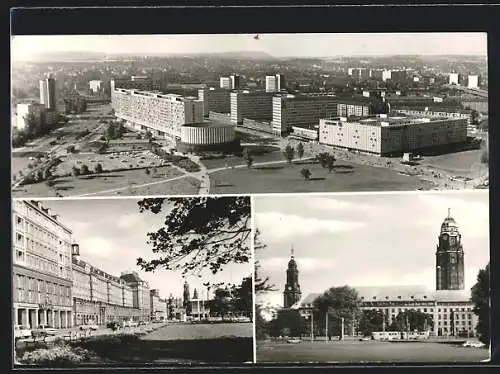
x=388 y=121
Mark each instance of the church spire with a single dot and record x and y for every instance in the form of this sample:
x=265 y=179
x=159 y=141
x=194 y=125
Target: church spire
x=291 y=252
x=449 y=212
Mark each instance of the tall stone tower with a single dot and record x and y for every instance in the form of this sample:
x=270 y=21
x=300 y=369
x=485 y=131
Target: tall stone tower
x=292 y=293
x=449 y=257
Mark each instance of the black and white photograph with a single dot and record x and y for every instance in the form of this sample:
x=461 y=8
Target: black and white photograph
x=372 y=278
x=159 y=115
x=158 y=281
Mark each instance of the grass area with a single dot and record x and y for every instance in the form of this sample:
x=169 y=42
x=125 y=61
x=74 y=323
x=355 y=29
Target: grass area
x=363 y=352
x=347 y=177
x=258 y=153
x=185 y=331
x=70 y=186
x=464 y=163
x=19 y=164
x=183 y=186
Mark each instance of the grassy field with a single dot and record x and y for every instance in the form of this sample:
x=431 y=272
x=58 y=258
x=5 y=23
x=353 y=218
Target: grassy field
x=347 y=177
x=71 y=186
x=366 y=352
x=183 y=186
x=187 y=331
x=460 y=163
x=259 y=154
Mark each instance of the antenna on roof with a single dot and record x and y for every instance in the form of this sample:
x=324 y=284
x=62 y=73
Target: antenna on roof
x=292 y=251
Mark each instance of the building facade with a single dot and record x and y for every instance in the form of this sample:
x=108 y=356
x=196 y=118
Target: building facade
x=26 y=110
x=473 y=81
x=216 y=100
x=140 y=294
x=48 y=93
x=42 y=274
x=256 y=105
x=427 y=111
x=163 y=114
x=96 y=86
x=275 y=83
x=303 y=111
x=384 y=135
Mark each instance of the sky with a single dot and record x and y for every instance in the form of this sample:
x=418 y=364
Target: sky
x=277 y=45
x=112 y=235
x=366 y=239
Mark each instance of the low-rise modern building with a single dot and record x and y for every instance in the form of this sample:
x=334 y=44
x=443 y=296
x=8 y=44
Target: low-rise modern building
x=215 y=99
x=383 y=135
x=207 y=135
x=42 y=274
x=251 y=104
x=447 y=112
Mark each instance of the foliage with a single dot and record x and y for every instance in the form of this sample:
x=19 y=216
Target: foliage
x=113 y=325
x=337 y=303
x=300 y=150
x=56 y=356
x=75 y=104
x=243 y=297
x=199 y=233
x=147 y=171
x=288 y=323
x=326 y=160
x=411 y=320
x=188 y=165
x=262 y=327
x=306 y=173
x=75 y=171
x=289 y=153
x=84 y=170
x=98 y=169
x=372 y=320
x=221 y=305
x=480 y=296
x=70 y=149
x=114 y=130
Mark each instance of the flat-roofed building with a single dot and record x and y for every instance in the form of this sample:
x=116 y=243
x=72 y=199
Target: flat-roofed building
x=25 y=111
x=98 y=297
x=301 y=110
x=230 y=83
x=275 y=83
x=473 y=81
x=215 y=99
x=384 y=135
x=96 y=86
x=42 y=274
x=163 y=114
x=256 y=105
x=434 y=111
x=141 y=294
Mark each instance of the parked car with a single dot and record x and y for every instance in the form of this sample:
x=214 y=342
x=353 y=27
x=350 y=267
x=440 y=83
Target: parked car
x=47 y=330
x=141 y=323
x=90 y=326
x=22 y=332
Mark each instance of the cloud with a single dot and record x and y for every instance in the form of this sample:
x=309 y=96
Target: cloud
x=472 y=216
x=96 y=246
x=279 y=226
x=130 y=220
x=329 y=204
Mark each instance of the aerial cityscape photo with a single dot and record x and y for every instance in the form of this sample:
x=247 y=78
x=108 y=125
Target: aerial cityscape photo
x=151 y=115
x=373 y=278
x=127 y=281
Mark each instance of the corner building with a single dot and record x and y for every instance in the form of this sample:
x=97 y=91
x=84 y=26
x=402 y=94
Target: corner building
x=42 y=274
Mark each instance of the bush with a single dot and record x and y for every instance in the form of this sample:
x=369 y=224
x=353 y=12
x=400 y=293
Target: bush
x=55 y=356
x=98 y=168
x=84 y=170
x=75 y=171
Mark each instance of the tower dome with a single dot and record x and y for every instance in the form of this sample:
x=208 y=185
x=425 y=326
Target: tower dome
x=449 y=226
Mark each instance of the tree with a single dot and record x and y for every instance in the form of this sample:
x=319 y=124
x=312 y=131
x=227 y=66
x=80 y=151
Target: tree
x=306 y=173
x=199 y=233
x=243 y=297
x=247 y=157
x=84 y=170
x=371 y=320
x=289 y=153
x=75 y=171
x=98 y=169
x=474 y=118
x=170 y=308
x=147 y=171
x=322 y=159
x=480 y=296
x=330 y=163
x=221 y=304
x=262 y=285
x=288 y=323
x=337 y=303
x=411 y=320
x=300 y=150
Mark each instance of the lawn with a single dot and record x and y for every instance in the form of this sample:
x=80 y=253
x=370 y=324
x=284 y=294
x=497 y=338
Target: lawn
x=260 y=153
x=366 y=352
x=71 y=186
x=465 y=163
x=347 y=177
x=183 y=186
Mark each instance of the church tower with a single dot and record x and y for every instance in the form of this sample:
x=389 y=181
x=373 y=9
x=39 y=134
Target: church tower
x=449 y=257
x=292 y=292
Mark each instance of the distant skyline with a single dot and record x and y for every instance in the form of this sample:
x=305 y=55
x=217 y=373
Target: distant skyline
x=276 y=45
x=366 y=240
x=112 y=235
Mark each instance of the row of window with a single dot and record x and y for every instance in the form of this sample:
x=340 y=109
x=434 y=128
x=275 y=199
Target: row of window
x=28 y=296
x=24 y=282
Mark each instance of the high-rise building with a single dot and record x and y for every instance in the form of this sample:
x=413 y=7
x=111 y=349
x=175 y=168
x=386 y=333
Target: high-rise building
x=301 y=110
x=251 y=104
x=42 y=276
x=48 y=93
x=449 y=257
x=275 y=83
x=225 y=82
x=96 y=86
x=473 y=81
x=25 y=111
x=235 y=82
x=215 y=100
x=454 y=78
x=292 y=293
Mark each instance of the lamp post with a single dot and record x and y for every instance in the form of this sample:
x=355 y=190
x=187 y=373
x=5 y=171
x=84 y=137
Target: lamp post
x=312 y=325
